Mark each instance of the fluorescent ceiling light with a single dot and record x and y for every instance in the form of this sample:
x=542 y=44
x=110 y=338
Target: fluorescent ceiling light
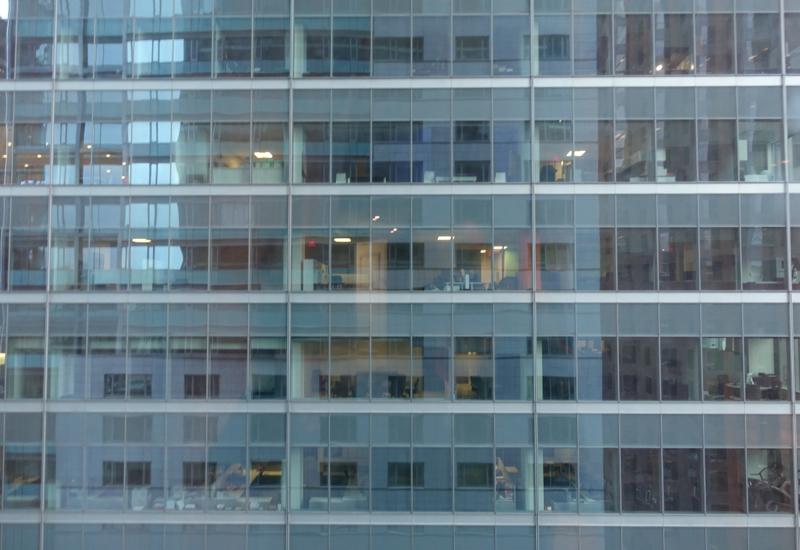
x=341 y=239
x=141 y=241
x=444 y=238
x=262 y=155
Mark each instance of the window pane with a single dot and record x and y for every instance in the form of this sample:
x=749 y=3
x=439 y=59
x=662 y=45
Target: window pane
x=391 y=46
x=763 y=251
x=758 y=43
x=432 y=479
x=391 y=368
x=633 y=50
x=471 y=46
x=760 y=150
x=555 y=262
x=512 y=152
x=475 y=483
x=431 y=46
x=674 y=44
x=555 y=366
x=351 y=48
x=677 y=259
x=725 y=484
x=719 y=259
x=431 y=151
x=680 y=369
x=675 y=151
x=638 y=369
x=430 y=367
x=472 y=367
x=593 y=156
x=553 y=150
x=792 y=23
x=766 y=369
x=312 y=47
x=472 y=151
x=552 y=45
x=432 y=259
x=599 y=483
x=722 y=369
x=718 y=150
x=514 y=368
x=636 y=258
x=634 y=142
x=641 y=480
x=511 y=49
x=597 y=369
x=558 y=488
x=593 y=44
x=714 y=39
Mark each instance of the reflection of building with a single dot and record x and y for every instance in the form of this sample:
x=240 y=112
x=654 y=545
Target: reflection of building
x=393 y=274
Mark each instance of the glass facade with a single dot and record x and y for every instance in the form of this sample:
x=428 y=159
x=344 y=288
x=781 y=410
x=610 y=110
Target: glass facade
x=399 y=274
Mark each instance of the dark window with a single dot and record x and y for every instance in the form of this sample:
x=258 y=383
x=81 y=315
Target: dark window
x=235 y=49
x=342 y=474
x=269 y=474
x=194 y=473
x=268 y=386
x=475 y=474
x=392 y=48
x=270 y=48
x=472 y=48
x=138 y=474
x=114 y=385
x=140 y=385
x=113 y=473
x=398 y=474
x=554 y=47
x=472 y=131
x=194 y=385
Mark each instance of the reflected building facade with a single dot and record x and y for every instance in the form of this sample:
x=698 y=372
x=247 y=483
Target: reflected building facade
x=451 y=274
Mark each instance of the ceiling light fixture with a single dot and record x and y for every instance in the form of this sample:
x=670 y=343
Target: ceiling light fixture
x=341 y=239
x=141 y=241
x=262 y=155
